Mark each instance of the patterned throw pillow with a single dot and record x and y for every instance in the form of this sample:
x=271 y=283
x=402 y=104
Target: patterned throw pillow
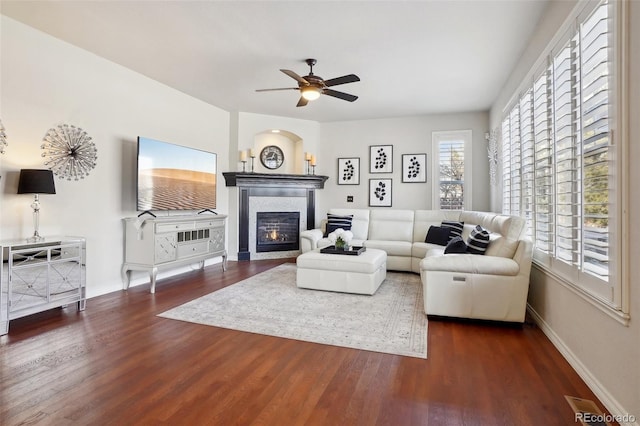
x=455 y=226
x=456 y=245
x=335 y=221
x=438 y=235
x=478 y=240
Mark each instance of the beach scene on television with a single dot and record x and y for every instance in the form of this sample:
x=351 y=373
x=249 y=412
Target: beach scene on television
x=174 y=177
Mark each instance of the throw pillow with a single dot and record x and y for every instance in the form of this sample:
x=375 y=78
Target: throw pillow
x=478 y=240
x=456 y=245
x=438 y=235
x=335 y=221
x=455 y=226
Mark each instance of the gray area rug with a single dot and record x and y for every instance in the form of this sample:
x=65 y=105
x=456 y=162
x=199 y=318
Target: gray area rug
x=391 y=321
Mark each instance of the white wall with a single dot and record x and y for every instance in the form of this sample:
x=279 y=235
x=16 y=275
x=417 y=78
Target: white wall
x=46 y=82
x=408 y=135
x=603 y=351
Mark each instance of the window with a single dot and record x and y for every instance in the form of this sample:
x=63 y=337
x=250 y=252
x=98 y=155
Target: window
x=558 y=159
x=452 y=170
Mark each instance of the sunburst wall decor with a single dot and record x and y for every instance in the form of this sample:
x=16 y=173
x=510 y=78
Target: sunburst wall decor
x=3 y=138
x=69 y=152
x=493 y=152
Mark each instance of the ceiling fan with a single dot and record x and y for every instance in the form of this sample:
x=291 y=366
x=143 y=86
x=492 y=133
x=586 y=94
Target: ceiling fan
x=312 y=86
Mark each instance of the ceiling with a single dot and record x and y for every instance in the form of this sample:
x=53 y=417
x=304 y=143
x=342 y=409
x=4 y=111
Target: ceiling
x=413 y=57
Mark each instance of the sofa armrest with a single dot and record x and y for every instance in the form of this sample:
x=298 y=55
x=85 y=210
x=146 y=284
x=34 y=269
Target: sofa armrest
x=309 y=239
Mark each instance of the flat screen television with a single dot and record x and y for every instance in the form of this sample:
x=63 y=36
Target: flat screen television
x=174 y=177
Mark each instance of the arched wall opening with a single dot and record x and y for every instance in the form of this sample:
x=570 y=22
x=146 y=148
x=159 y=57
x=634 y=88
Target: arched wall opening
x=291 y=146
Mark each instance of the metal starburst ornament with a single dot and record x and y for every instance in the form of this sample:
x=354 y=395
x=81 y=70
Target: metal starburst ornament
x=69 y=152
x=3 y=138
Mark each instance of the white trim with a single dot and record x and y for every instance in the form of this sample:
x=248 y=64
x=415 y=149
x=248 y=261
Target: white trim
x=602 y=305
x=620 y=142
x=608 y=400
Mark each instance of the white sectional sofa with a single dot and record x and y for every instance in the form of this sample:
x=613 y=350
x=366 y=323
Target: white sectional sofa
x=492 y=286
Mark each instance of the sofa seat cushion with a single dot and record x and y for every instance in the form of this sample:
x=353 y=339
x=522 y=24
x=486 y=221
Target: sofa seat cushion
x=420 y=250
x=469 y=264
x=393 y=248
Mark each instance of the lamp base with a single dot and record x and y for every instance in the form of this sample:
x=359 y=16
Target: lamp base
x=35 y=239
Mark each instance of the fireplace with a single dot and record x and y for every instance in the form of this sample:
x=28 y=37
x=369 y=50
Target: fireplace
x=277 y=231
x=262 y=192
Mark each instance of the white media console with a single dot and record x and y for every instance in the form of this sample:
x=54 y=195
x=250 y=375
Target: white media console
x=170 y=241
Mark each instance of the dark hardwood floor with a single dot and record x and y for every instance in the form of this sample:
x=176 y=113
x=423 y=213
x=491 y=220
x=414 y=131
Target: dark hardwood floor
x=118 y=363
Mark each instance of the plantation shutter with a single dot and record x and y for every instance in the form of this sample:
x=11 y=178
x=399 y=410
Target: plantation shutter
x=544 y=198
x=566 y=178
x=558 y=159
x=527 y=149
x=594 y=62
x=506 y=166
x=514 y=128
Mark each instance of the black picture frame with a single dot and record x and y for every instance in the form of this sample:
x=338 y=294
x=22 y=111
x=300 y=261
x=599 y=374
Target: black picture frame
x=381 y=159
x=380 y=192
x=414 y=168
x=349 y=171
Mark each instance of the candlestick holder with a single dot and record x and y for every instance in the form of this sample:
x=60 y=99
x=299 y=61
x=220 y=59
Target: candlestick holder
x=244 y=166
x=313 y=169
x=308 y=166
x=253 y=157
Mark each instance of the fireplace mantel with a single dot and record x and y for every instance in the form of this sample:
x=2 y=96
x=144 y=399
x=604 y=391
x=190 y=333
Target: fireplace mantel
x=270 y=185
x=244 y=179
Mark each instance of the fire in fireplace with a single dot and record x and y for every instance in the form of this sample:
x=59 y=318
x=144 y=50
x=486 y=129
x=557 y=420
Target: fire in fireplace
x=277 y=231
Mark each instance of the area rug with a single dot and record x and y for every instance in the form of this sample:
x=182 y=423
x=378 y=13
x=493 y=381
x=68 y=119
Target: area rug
x=391 y=321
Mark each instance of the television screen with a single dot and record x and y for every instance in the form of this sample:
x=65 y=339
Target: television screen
x=174 y=177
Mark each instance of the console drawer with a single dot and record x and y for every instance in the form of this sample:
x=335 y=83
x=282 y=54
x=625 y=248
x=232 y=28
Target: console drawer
x=210 y=224
x=186 y=250
x=170 y=227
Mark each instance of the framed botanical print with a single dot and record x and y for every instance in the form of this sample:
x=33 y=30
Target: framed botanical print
x=414 y=167
x=349 y=171
x=381 y=159
x=380 y=192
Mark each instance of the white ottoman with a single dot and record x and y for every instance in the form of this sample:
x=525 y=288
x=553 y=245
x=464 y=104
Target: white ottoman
x=361 y=274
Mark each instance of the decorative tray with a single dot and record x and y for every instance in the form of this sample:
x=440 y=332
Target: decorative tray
x=352 y=251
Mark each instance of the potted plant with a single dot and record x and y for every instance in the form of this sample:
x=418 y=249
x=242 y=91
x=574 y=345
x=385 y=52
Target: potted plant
x=341 y=244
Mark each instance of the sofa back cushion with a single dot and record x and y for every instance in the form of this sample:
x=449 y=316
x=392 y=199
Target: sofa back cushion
x=423 y=219
x=505 y=231
x=359 y=223
x=510 y=227
x=391 y=225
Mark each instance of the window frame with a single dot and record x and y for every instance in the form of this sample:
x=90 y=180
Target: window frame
x=437 y=137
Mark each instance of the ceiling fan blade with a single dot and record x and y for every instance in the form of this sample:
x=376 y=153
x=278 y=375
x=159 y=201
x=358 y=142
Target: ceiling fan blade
x=351 y=78
x=340 y=95
x=302 y=102
x=295 y=76
x=282 y=88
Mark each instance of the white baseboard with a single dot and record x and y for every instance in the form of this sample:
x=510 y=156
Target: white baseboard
x=610 y=403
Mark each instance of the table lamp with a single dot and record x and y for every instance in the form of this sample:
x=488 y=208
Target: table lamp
x=35 y=181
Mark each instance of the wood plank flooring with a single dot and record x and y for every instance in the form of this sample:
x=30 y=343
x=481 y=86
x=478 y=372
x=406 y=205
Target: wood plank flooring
x=117 y=363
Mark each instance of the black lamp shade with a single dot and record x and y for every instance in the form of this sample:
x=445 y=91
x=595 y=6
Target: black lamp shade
x=36 y=181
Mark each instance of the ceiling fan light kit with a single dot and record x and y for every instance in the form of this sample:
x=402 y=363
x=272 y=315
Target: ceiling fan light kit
x=312 y=86
x=311 y=93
